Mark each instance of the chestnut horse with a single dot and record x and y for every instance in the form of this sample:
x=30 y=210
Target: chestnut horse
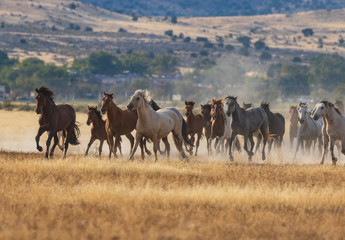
x=54 y=118
x=97 y=130
x=293 y=118
x=195 y=124
x=119 y=122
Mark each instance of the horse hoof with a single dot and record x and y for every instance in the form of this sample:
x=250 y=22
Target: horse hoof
x=263 y=158
x=39 y=148
x=149 y=153
x=231 y=159
x=251 y=154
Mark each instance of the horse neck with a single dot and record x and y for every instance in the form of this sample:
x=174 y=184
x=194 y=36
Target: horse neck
x=332 y=117
x=113 y=111
x=236 y=115
x=98 y=123
x=49 y=109
x=146 y=114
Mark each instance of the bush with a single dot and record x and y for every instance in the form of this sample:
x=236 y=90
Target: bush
x=7 y=105
x=245 y=41
x=181 y=36
x=244 y=51
x=174 y=19
x=22 y=41
x=296 y=60
x=2 y=25
x=193 y=55
x=72 y=6
x=122 y=30
x=26 y=107
x=134 y=17
x=265 y=56
x=201 y=39
x=259 y=45
x=88 y=29
x=187 y=39
x=208 y=45
x=307 y=32
x=169 y=33
x=204 y=53
x=229 y=47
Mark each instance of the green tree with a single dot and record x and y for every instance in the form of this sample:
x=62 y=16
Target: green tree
x=165 y=64
x=104 y=63
x=137 y=62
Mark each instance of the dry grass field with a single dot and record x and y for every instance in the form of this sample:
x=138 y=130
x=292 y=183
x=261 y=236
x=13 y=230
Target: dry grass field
x=207 y=198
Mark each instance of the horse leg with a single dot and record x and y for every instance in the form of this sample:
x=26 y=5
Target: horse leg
x=264 y=133
x=147 y=150
x=100 y=147
x=258 y=140
x=68 y=137
x=178 y=143
x=297 y=146
x=56 y=141
x=142 y=148
x=331 y=148
x=250 y=136
x=50 y=136
x=325 y=147
x=233 y=135
x=197 y=144
x=159 y=147
x=134 y=149
x=250 y=154
x=209 y=148
x=41 y=130
x=92 y=139
x=131 y=140
x=155 y=148
x=110 y=143
x=191 y=147
x=167 y=146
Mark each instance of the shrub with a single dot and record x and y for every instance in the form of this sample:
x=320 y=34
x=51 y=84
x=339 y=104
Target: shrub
x=181 y=36
x=187 y=39
x=259 y=45
x=134 y=17
x=296 y=60
x=193 y=55
x=174 y=19
x=245 y=41
x=2 y=25
x=72 y=6
x=7 y=105
x=307 y=32
x=244 y=51
x=169 y=33
x=265 y=56
x=22 y=41
x=229 y=47
x=201 y=39
x=26 y=107
x=122 y=30
x=208 y=45
x=204 y=53
x=88 y=29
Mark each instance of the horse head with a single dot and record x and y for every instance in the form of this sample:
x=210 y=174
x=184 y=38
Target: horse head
x=322 y=109
x=302 y=111
x=189 y=107
x=43 y=97
x=216 y=107
x=231 y=102
x=106 y=100
x=206 y=111
x=139 y=98
x=92 y=114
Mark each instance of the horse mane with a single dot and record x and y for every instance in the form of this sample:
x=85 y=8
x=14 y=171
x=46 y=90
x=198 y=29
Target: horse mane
x=303 y=104
x=206 y=106
x=46 y=92
x=145 y=94
x=154 y=105
x=331 y=105
x=265 y=105
x=189 y=103
x=98 y=113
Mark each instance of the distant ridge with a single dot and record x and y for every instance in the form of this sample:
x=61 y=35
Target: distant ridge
x=195 y=8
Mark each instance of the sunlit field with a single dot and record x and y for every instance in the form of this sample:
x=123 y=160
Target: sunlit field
x=206 y=198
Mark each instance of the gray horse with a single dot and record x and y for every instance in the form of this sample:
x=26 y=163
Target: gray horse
x=246 y=122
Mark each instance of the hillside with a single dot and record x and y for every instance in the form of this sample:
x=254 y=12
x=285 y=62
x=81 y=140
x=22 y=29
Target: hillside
x=56 y=31
x=197 y=8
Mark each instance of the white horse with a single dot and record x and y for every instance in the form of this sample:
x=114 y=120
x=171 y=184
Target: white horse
x=333 y=129
x=157 y=125
x=309 y=130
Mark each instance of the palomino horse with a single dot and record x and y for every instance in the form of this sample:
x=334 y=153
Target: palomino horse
x=309 y=130
x=246 y=122
x=195 y=124
x=157 y=125
x=276 y=126
x=293 y=118
x=119 y=122
x=97 y=130
x=333 y=127
x=206 y=114
x=54 y=118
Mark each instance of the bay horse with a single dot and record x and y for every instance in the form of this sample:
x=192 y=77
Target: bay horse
x=206 y=114
x=246 y=122
x=119 y=122
x=195 y=125
x=98 y=131
x=293 y=127
x=333 y=127
x=309 y=130
x=276 y=126
x=54 y=118
x=157 y=125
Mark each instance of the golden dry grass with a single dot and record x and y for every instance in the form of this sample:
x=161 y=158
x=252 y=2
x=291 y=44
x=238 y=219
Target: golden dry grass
x=81 y=198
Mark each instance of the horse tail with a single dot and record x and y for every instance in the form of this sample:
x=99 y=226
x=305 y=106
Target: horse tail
x=74 y=136
x=185 y=133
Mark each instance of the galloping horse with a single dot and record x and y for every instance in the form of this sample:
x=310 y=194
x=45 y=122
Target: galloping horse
x=157 y=125
x=206 y=114
x=119 y=122
x=54 y=118
x=333 y=127
x=308 y=129
x=97 y=130
x=293 y=118
x=195 y=124
x=276 y=126
x=246 y=122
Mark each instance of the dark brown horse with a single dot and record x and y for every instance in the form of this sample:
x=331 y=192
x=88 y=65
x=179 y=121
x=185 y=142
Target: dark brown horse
x=195 y=124
x=276 y=126
x=293 y=118
x=97 y=130
x=54 y=118
x=119 y=122
x=206 y=113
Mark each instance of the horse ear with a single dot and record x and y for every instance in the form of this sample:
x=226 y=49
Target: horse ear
x=185 y=102
x=104 y=93
x=235 y=98
x=112 y=94
x=96 y=108
x=36 y=90
x=88 y=107
x=201 y=105
x=193 y=104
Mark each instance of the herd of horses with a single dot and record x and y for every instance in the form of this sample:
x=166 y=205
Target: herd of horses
x=221 y=120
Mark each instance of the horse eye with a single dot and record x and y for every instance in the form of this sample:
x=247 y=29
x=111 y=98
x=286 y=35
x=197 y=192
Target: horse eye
x=137 y=98
x=322 y=107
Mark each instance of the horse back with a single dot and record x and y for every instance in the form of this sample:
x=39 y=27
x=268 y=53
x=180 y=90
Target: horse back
x=255 y=118
x=65 y=116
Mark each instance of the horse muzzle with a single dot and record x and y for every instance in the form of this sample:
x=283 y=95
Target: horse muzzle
x=130 y=107
x=316 y=117
x=301 y=121
x=38 y=111
x=88 y=122
x=103 y=110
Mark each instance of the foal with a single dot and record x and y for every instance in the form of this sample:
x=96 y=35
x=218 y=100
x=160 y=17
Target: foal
x=195 y=124
x=97 y=129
